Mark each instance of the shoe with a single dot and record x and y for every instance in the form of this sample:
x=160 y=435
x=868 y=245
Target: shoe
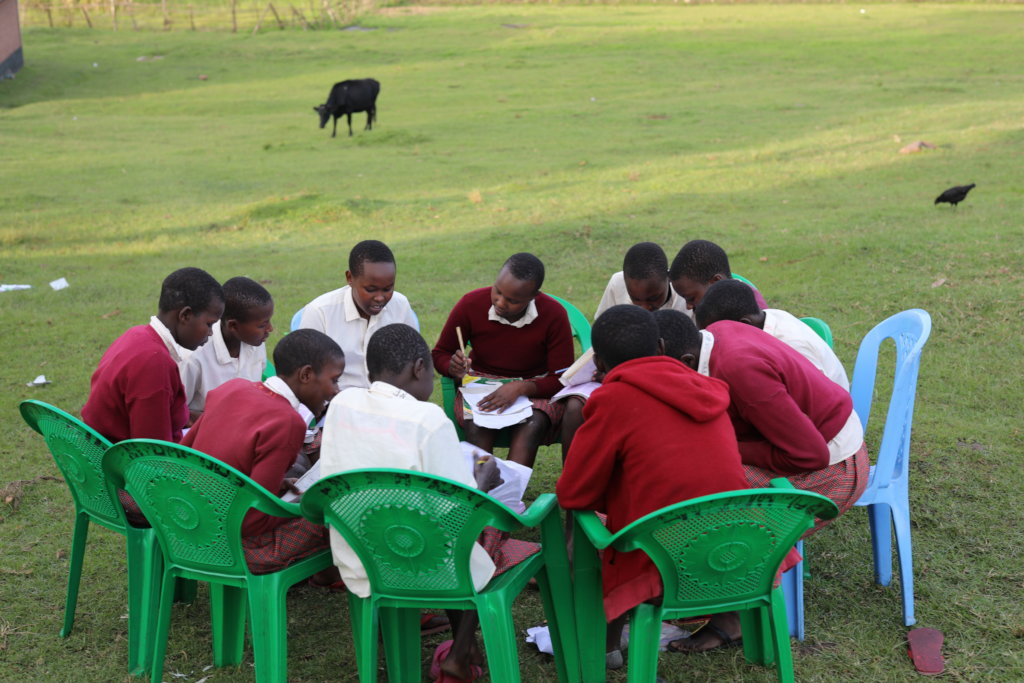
x=613 y=659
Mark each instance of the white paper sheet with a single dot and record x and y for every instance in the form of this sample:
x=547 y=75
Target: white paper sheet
x=584 y=390
x=515 y=477
x=303 y=483
x=519 y=411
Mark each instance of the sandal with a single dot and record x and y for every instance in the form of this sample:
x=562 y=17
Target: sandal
x=690 y=648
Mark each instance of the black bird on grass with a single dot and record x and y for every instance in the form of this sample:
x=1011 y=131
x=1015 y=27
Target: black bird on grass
x=954 y=195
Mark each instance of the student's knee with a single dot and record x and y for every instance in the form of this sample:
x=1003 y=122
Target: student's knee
x=536 y=427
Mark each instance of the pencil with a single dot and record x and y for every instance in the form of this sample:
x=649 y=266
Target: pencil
x=462 y=344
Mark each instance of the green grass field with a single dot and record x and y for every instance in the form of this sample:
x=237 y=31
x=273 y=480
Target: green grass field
x=571 y=132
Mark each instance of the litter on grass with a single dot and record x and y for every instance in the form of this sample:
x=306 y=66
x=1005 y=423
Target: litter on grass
x=11 y=288
x=60 y=283
x=38 y=381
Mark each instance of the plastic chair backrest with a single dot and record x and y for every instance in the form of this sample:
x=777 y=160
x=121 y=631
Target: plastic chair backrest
x=297 y=319
x=194 y=502
x=737 y=276
x=78 y=451
x=909 y=330
x=821 y=329
x=726 y=547
x=413 y=532
x=577 y=321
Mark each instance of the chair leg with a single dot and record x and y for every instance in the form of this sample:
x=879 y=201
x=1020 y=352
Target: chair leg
x=901 y=522
x=591 y=628
x=499 y=638
x=400 y=628
x=561 y=626
x=269 y=623
x=644 y=639
x=879 y=516
x=145 y=567
x=757 y=636
x=163 y=624
x=783 y=654
x=793 y=590
x=78 y=541
x=227 y=617
x=363 y=615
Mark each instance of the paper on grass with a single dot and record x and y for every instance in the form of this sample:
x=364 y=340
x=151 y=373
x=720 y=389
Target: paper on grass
x=514 y=477
x=60 y=283
x=520 y=410
x=38 y=381
x=11 y=288
x=303 y=483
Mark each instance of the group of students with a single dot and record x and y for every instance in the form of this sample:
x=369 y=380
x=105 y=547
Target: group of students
x=702 y=389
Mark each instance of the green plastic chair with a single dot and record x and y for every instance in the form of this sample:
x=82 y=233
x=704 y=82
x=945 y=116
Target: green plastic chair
x=580 y=331
x=78 y=450
x=414 y=532
x=716 y=553
x=820 y=328
x=196 y=505
x=737 y=276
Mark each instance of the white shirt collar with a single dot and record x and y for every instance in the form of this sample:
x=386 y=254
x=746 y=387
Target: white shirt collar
x=179 y=353
x=390 y=390
x=704 y=362
x=281 y=388
x=528 y=317
x=220 y=349
x=351 y=310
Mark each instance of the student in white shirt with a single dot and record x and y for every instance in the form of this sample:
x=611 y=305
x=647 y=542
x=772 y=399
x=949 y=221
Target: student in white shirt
x=733 y=300
x=236 y=348
x=391 y=424
x=352 y=314
x=643 y=281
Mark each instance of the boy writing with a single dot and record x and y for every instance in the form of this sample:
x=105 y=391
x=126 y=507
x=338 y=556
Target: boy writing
x=236 y=347
x=656 y=433
x=517 y=332
x=256 y=428
x=391 y=424
x=367 y=302
x=697 y=266
x=136 y=391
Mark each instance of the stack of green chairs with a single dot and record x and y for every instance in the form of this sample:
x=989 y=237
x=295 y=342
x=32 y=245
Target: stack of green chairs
x=717 y=553
x=580 y=331
x=78 y=452
x=196 y=505
x=414 y=533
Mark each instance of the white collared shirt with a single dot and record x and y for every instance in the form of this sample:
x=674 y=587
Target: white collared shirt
x=528 y=316
x=211 y=365
x=615 y=293
x=796 y=333
x=336 y=315
x=179 y=353
x=707 y=343
x=384 y=426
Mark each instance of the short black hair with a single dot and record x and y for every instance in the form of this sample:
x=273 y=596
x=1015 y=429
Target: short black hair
x=192 y=287
x=644 y=261
x=700 y=261
x=526 y=267
x=372 y=251
x=242 y=296
x=305 y=347
x=624 y=332
x=726 y=300
x=677 y=331
x=394 y=347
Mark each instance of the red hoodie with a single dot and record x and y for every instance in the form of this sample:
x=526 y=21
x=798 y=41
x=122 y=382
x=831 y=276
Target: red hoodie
x=656 y=433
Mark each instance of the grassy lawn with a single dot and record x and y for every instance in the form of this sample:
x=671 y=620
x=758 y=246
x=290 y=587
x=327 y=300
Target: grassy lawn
x=571 y=132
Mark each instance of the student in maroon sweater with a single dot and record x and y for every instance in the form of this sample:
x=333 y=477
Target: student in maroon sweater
x=790 y=421
x=697 y=266
x=515 y=332
x=255 y=427
x=656 y=433
x=136 y=391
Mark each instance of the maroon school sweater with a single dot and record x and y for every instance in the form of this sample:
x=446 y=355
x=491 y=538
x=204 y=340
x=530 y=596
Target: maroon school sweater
x=784 y=410
x=540 y=348
x=136 y=391
x=256 y=431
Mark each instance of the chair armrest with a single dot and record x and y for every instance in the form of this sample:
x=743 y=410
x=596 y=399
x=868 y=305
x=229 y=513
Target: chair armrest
x=538 y=510
x=596 y=532
x=780 y=483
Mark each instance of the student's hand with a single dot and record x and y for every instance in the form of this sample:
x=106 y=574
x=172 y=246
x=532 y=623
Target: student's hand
x=486 y=473
x=503 y=397
x=598 y=376
x=459 y=366
x=288 y=486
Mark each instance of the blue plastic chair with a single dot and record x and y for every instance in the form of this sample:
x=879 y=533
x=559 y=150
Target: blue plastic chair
x=887 y=496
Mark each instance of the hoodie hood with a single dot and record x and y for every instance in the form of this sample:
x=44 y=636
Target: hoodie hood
x=669 y=381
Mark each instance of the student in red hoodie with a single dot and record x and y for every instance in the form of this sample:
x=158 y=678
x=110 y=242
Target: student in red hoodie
x=136 y=392
x=656 y=433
